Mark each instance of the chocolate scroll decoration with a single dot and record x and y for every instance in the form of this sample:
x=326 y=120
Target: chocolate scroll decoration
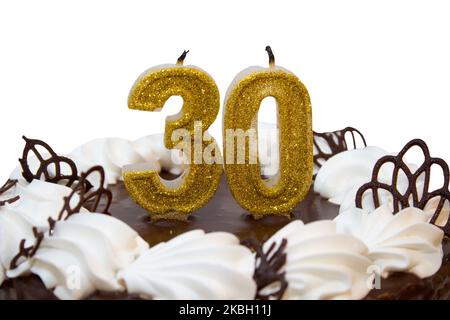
x=336 y=142
x=7 y=186
x=53 y=160
x=27 y=252
x=412 y=197
x=267 y=269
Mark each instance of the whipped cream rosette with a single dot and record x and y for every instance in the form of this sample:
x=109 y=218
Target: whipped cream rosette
x=321 y=263
x=404 y=241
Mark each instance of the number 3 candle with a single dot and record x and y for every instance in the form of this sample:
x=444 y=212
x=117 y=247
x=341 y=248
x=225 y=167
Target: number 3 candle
x=201 y=102
x=281 y=193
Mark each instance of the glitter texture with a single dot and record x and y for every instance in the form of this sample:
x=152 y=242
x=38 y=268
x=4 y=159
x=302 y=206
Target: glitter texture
x=276 y=195
x=201 y=102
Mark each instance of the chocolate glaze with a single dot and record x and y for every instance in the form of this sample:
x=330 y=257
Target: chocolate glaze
x=32 y=288
x=222 y=213
x=403 y=286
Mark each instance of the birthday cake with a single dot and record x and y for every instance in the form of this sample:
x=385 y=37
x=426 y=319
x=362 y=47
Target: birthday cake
x=60 y=241
x=167 y=217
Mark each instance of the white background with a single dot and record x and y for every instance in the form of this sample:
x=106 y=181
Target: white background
x=66 y=67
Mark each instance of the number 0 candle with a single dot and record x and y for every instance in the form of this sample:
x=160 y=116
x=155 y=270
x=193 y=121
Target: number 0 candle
x=281 y=193
x=201 y=102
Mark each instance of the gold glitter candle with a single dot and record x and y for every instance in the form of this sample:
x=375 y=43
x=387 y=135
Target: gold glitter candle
x=177 y=198
x=279 y=194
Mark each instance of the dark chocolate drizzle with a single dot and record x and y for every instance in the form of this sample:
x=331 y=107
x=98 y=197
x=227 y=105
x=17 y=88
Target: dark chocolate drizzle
x=412 y=196
x=336 y=142
x=45 y=163
x=8 y=185
x=267 y=269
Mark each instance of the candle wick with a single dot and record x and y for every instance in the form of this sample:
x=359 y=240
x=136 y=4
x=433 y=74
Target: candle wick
x=182 y=57
x=271 y=56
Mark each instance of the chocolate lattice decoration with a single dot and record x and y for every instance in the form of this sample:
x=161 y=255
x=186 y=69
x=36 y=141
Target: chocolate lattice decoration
x=412 y=196
x=7 y=186
x=46 y=163
x=267 y=268
x=88 y=198
x=336 y=142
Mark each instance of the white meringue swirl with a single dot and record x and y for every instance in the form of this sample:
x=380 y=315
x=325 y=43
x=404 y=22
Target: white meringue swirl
x=322 y=263
x=39 y=200
x=193 y=265
x=13 y=228
x=402 y=242
x=84 y=254
x=114 y=153
x=346 y=172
